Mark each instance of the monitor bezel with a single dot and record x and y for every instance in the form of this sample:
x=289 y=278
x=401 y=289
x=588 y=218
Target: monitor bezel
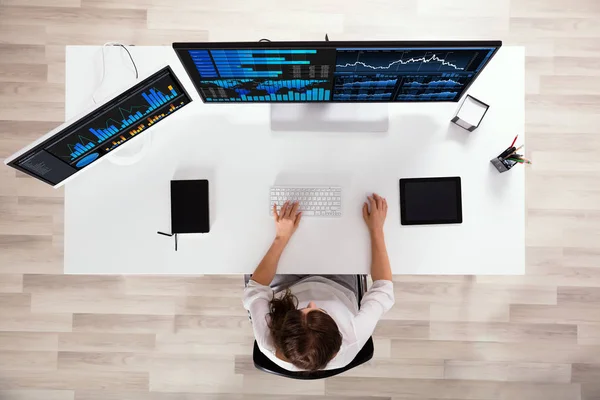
x=12 y=161
x=181 y=48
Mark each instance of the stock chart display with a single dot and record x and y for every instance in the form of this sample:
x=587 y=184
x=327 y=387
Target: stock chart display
x=364 y=87
x=105 y=129
x=260 y=75
x=417 y=74
x=335 y=74
x=111 y=126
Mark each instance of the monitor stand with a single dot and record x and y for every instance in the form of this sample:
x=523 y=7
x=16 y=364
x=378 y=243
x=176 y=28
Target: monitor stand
x=131 y=152
x=330 y=117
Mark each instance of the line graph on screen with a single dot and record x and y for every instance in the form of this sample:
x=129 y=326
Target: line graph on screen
x=402 y=60
x=432 y=58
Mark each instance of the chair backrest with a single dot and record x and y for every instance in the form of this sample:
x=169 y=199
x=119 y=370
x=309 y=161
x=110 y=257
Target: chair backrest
x=264 y=363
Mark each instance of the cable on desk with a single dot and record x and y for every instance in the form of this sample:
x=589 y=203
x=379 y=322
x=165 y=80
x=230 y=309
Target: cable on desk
x=104 y=65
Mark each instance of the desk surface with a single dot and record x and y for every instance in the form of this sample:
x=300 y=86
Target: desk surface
x=112 y=212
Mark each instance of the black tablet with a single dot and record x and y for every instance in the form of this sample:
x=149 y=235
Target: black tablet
x=426 y=201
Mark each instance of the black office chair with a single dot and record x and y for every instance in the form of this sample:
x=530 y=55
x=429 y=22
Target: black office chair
x=265 y=364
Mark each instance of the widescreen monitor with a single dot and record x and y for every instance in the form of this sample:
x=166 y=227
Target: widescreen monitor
x=282 y=72
x=83 y=141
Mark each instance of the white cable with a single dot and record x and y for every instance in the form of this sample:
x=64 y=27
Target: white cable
x=104 y=67
x=147 y=143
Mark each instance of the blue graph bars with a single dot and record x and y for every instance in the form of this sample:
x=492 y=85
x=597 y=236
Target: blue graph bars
x=241 y=63
x=104 y=134
x=155 y=99
x=203 y=63
x=276 y=90
x=315 y=94
x=80 y=149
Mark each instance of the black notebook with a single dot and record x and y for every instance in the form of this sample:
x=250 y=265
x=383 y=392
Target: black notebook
x=189 y=207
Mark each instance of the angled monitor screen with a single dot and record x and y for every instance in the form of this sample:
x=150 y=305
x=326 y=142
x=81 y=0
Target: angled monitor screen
x=74 y=146
x=334 y=71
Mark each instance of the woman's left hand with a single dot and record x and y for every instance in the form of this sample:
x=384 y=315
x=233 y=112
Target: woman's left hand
x=287 y=220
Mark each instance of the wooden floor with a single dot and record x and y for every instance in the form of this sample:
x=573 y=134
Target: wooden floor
x=165 y=338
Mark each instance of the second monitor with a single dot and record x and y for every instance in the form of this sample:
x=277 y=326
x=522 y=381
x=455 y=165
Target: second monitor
x=83 y=141
x=384 y=71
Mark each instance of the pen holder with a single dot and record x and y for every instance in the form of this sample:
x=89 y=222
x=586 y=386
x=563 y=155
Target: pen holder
x=501 y=163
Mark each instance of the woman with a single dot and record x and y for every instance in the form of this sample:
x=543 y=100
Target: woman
x=309 y=323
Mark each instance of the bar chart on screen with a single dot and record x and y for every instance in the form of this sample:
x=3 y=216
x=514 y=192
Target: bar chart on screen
x=155 y=99
x=116 y=142
x=265 y=90
x=113 y=127
x=81 y=147
x=263 y=63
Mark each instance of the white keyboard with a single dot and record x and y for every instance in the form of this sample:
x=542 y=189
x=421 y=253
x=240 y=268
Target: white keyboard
x=314 y=201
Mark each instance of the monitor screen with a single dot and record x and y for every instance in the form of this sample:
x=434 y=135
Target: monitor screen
x=334 y=71
x=75 y=146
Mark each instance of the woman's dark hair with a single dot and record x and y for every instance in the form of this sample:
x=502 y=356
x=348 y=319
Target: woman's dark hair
x=308 y=340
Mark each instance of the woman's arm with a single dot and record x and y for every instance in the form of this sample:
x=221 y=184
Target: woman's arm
x=286 y=223
x=265 y=272
x=380 y=296
x=375 y=218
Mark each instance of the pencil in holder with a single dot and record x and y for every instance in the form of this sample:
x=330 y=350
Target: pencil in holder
x=501 y=163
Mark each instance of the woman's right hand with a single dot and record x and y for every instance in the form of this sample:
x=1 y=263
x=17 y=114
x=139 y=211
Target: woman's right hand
x=375 y=214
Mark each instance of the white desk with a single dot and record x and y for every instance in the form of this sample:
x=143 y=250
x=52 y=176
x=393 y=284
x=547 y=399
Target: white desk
x=112 y=212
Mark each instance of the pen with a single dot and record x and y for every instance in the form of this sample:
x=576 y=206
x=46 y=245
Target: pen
x=507 y=152
x=517 y=149
x=514 y=140
x=520 y=157
x=527 y=161
x=520 y=160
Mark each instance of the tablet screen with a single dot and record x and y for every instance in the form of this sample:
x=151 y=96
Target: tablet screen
x=430 y=201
